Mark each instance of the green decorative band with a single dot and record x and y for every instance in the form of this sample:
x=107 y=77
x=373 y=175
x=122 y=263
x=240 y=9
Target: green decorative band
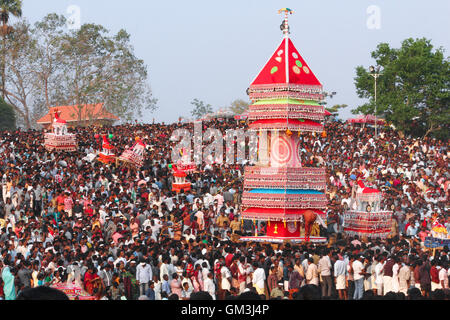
x=287 y=101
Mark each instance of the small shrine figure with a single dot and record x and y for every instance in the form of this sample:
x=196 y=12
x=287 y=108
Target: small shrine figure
x=364 y=217
x=185 y=164
x=438 y=230
x=59 y=139
x=134 y=155
x=180 y=183
x=107 y=154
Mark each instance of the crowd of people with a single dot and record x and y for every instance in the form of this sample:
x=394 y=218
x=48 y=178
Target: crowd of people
x=121 y=234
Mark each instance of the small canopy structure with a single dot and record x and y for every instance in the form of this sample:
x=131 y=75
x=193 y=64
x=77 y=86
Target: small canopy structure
x=243 y=116
x=221 y=113
x=367 y=119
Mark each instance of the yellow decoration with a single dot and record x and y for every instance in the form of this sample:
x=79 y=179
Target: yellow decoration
x=284 y=221
x=288 y=132
x=315 y=230
x=276 y=229
x=440 y=229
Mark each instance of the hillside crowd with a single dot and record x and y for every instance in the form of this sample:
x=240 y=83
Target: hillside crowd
x=122 y=234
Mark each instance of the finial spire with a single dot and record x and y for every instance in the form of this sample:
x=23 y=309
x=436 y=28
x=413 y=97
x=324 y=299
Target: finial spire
x=285 y=25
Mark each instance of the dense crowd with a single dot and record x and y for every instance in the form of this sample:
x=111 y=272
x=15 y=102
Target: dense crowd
x=122 y=234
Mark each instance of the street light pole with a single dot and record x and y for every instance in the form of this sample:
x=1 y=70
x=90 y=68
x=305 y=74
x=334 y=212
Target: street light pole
x=375 y=73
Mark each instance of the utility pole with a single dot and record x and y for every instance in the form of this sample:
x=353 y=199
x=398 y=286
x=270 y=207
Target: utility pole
x=375 y=73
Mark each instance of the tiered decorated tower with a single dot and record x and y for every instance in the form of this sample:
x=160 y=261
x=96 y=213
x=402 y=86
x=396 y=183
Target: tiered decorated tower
x=279 y=191
x=60 y=140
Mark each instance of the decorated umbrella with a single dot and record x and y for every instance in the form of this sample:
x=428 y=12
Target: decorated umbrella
x=367 y=119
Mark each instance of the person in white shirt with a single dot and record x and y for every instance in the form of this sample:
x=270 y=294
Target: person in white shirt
x=340 y=274
x=200 y=220
x=164 y=269
x=157 y=287
x=324 y=268
x=443 y=277
x=242 y=274
x=358 y=277
x=209 y=285
x=226 y=278
x=312 y=274
x=395 y=281
x=379 y=275
x=143 y=276
x=259 y=277
x=404 y=278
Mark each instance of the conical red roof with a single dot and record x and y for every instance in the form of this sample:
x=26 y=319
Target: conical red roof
x=286 y=66
x=106 y=143
x=58 y=119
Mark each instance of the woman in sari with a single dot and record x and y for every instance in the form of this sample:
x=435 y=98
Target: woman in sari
x=9 y=289
x=90 y=278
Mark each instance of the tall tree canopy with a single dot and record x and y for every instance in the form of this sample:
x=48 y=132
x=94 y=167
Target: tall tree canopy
x=7 y=8
x=200 y=109
x=49 y=65
x=335 y=109
x=413 y=89
x=7 y=116
x=239 y=106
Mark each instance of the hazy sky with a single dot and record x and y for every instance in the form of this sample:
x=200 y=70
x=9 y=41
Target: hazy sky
x=212 y=50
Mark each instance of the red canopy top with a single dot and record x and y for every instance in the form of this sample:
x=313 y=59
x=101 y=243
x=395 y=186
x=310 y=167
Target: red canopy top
x=106 y=143
x=140 y=143
x=58 y=119
x=370 y=190
x=286 y=66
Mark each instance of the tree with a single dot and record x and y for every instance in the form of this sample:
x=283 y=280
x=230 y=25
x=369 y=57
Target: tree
x=335 y=109
x=239 y=106
x=7 y=116
x=413 y=89
x=101 y=68
x=49 y=65
x=7 y=8
x=200 y=109
x=21 y=83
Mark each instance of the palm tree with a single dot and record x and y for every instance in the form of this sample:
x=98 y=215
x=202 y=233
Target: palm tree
x=7 y=8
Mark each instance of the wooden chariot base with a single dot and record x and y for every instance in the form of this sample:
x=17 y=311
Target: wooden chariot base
x=284 y=239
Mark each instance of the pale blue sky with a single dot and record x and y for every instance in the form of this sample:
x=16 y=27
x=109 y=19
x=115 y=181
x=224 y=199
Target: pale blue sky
x=212 y=50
